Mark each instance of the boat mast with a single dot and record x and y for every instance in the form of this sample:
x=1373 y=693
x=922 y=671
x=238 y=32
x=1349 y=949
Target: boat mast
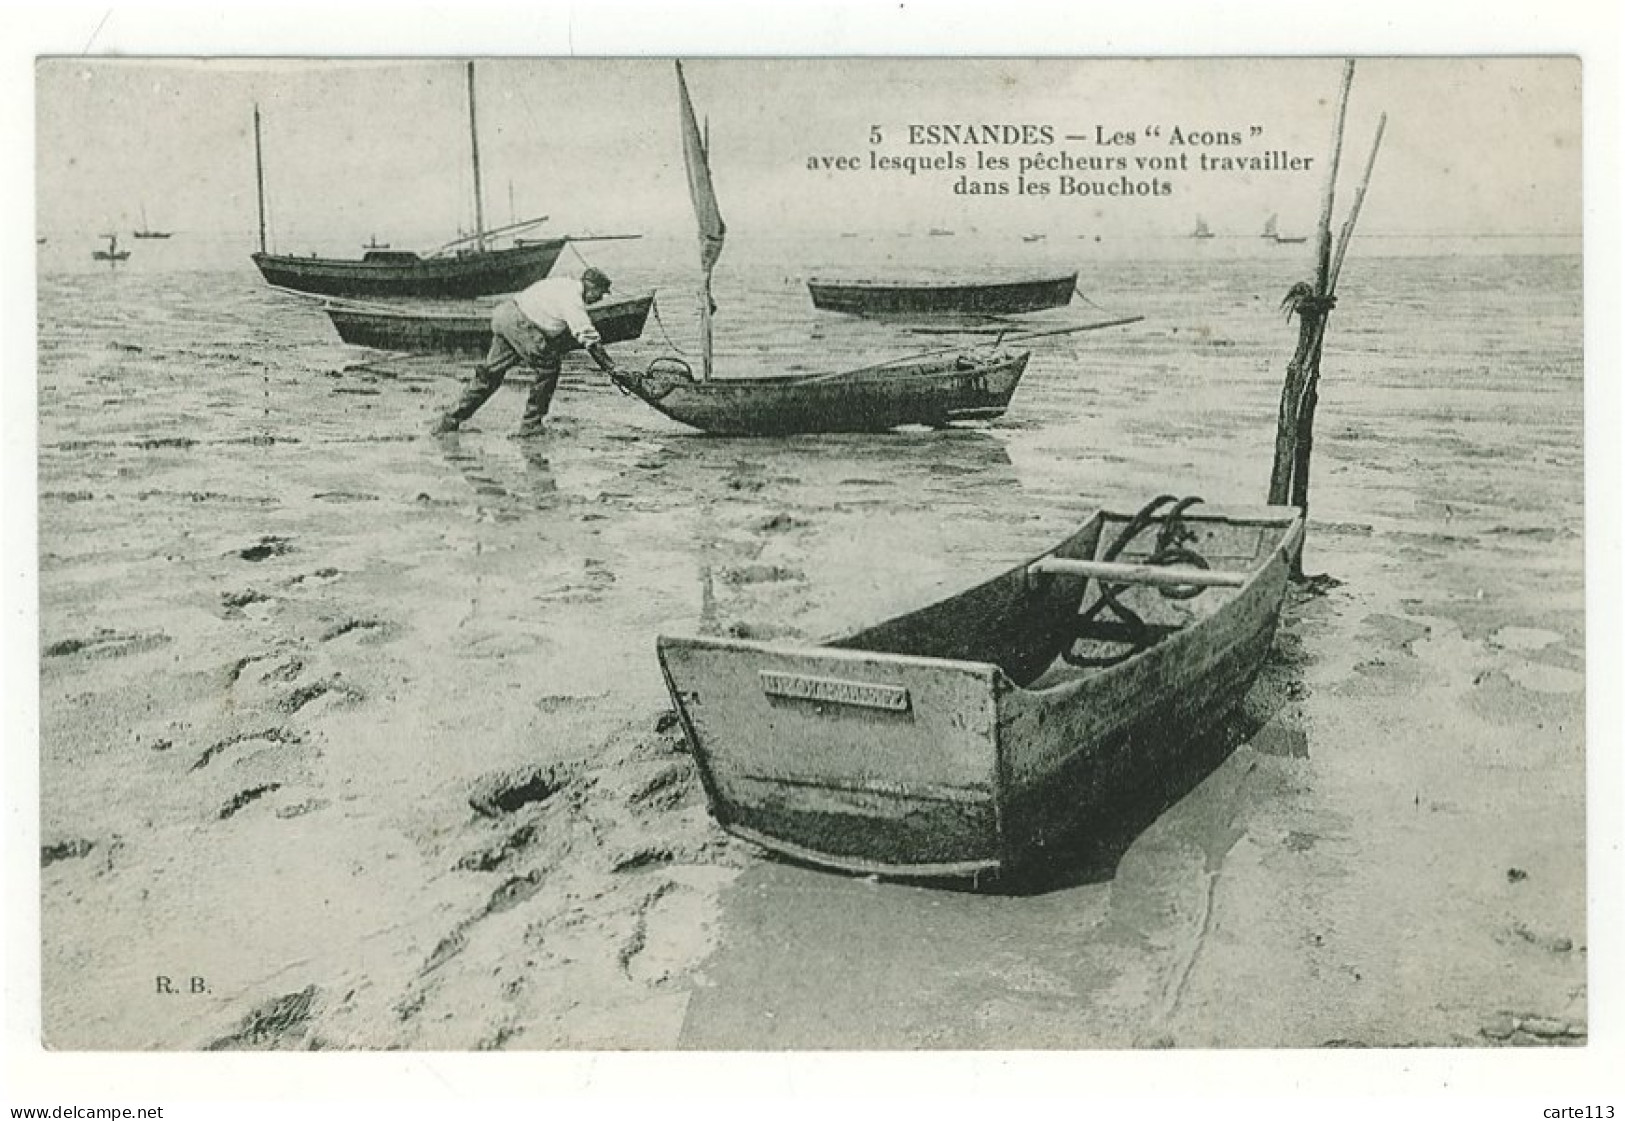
x=474 y=142
x=259 y=174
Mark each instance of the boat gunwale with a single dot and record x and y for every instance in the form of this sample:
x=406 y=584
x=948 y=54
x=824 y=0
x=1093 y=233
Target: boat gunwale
x=870 y=374
x=1291 y=526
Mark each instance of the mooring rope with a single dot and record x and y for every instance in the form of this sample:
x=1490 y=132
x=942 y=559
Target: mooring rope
x=661 y=323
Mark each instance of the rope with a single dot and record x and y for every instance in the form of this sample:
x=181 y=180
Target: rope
x=1090 y=302
x=661 y=323
x=584 y=262
x=1172 y=548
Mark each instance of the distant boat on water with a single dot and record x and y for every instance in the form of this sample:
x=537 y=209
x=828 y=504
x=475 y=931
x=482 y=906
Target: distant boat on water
x=938 y=231
x=112 y=253
x=374 y=243
x=1272 y=233
x=39 y=241
x=146 y=232
x=1201 y=231
x=1033 y=237
x=465 y=267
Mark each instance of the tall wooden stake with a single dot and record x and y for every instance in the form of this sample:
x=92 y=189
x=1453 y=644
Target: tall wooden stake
x=1312 y=314
x=1311 y=396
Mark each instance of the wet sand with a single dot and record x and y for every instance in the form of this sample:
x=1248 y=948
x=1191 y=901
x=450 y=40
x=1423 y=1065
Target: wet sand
x=364 y=728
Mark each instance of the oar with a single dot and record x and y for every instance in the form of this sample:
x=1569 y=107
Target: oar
x=998 y=341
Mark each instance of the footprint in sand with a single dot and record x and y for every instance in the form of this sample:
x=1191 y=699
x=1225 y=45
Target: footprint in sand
x=267 y=547
x=105 y=643
x=1539 y=678
x=674 y=933
x=1523 y=638
x=368 y=631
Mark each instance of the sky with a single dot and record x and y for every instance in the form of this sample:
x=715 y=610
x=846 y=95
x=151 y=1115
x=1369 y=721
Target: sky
x=361 y=148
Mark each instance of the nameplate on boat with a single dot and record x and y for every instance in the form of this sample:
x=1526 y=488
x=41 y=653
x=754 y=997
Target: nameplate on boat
x=892 y=698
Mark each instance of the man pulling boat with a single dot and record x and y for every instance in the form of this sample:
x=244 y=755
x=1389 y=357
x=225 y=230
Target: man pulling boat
x=536 y=327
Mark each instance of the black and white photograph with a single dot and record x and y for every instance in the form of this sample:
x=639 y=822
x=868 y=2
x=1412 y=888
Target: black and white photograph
x=692 y=553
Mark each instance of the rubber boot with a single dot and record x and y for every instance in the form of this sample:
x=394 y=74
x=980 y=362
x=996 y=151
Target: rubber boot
x=485 y=382
x=538 y=402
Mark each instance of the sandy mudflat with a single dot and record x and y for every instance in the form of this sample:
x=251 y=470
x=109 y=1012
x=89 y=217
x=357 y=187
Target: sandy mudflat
x=364 y=728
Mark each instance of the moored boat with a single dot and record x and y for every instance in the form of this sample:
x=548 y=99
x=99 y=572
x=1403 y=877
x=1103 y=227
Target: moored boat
x=400 y=272
x=972 y=736
x=948 y=297
x=934 y=390
x=467 y=267
x=429 y=331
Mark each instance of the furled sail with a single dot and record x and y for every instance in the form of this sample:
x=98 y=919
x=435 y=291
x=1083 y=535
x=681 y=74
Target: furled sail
x=706 y=211
x=699 y=181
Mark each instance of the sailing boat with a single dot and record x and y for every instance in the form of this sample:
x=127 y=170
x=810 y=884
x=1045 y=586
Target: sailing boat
x=1201 y=231
x=930 y=389
x=146 y=232
x=112 y=253
x=465 y=267
x=1272 y=233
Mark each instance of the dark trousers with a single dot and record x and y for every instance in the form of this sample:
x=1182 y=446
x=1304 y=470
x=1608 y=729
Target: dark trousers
x=515 y=340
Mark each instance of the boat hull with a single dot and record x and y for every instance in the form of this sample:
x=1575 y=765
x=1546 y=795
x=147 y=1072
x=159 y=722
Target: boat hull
x=380 y=273
x=995 y=298
x=873 y=400
x=954 y=741
x=468 y=334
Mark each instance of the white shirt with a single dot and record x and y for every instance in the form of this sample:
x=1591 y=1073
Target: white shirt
x=555 y=305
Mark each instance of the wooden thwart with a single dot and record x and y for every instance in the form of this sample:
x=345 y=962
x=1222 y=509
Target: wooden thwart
x=1116 y=573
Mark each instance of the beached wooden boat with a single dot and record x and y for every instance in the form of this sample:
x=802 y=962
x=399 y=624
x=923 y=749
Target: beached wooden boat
x=927 y=388
x=932 y=390
x=948 y=297
x=967 y=738
x=432 y=331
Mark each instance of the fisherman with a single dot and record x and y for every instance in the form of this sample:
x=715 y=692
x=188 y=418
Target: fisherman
x=536 y=327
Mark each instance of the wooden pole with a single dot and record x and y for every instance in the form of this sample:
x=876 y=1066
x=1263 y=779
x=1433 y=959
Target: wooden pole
x=1311 y=315
x=1323 y=247
x=1311 y=394
x=474 y=143
x=1354 y=211
x=705 y=324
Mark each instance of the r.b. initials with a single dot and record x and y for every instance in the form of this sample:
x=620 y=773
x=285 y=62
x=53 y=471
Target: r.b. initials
x=168 y=986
